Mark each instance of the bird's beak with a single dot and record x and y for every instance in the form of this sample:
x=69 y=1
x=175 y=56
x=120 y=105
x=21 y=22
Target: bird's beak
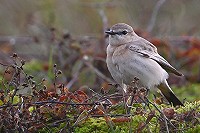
x=110 y=32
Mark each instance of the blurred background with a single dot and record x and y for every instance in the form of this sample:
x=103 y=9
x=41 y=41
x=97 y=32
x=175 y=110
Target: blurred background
x=70 y=33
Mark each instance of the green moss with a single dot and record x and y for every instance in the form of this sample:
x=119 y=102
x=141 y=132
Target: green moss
x=189 y=92
x=117 y=108
x=193 y=130
x=53 y=129
x=189 y=106
x=99 y=125
x=93 y=125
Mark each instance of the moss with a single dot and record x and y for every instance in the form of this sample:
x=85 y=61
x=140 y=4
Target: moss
x=99 y=125
x=189 y=92
x=193 y=130
x=93 y=125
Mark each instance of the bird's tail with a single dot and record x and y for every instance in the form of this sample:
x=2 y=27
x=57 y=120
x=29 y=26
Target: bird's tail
x=169 y=95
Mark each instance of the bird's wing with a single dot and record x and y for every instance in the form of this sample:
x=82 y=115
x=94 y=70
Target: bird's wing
x=156 y=57
x=161 y=61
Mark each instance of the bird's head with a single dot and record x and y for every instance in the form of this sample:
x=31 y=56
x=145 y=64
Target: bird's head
x=120 y=34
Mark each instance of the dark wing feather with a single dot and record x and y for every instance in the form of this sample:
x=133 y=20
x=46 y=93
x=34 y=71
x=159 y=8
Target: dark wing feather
x=164 y=64
x=156 y=57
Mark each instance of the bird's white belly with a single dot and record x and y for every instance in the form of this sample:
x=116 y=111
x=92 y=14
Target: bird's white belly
x=149 y=72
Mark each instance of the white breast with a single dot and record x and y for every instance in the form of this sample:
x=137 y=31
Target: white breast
x=126 y=66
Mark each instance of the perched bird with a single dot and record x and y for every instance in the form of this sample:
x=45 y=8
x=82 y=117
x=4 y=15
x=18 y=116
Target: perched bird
x=130 y=56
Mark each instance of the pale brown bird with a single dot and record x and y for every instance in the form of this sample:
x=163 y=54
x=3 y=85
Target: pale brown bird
x=130 y=56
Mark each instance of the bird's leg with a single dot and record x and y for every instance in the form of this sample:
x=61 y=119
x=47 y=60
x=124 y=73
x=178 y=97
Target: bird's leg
x=131 y=103
x=146 y=95
x=147 y=91
x=124 y=87
x=132 y=92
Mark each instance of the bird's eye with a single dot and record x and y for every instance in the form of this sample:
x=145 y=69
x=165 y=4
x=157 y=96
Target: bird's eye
x=124 y=32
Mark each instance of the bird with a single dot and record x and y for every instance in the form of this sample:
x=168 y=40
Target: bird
x=130 y=56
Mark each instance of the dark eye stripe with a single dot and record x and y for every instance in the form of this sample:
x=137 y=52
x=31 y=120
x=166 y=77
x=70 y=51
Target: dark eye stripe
x=122 y=32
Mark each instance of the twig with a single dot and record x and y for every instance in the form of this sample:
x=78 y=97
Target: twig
x=154 y=15
x=94 y=107
x=88 y=113
x=103 y=18
x=3 y=64
x=67 y=103
x=165 y=118
x=100 y=74
x=72 y=81
x=13 y=40
x=94 y=91
x=54 y=102
x=75 y=77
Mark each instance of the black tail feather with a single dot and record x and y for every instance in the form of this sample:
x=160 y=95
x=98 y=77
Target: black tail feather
x=169 y=95
x=171 y=98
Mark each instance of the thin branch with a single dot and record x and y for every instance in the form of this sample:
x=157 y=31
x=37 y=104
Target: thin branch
x=55 y=102
x=72 y=81
x=165 y=118
x=154 y=15
x=103 y=18
x=74 y=78
x=3 y=64
x=100 y=74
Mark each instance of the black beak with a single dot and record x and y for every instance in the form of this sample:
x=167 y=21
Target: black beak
x=110 y=32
